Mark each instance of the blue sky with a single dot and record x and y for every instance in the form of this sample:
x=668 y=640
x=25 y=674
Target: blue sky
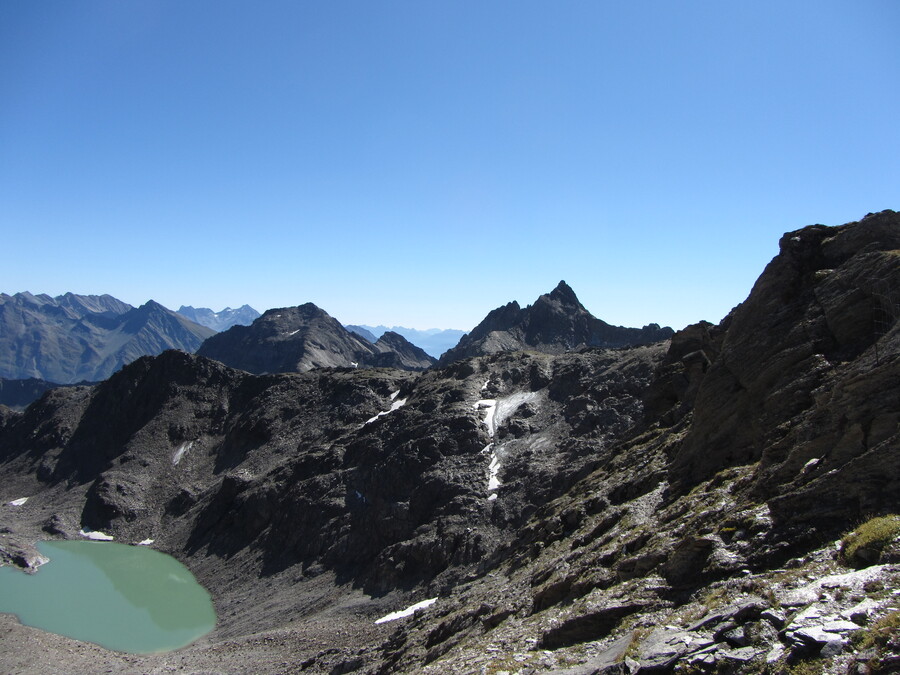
x=419 y=163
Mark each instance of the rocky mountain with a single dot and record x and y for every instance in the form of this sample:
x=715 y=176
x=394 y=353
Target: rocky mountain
x=71 y=337
x=721 y=502
x=222 y=320
x=434 y=341
x=557 y=322
x=296 y=339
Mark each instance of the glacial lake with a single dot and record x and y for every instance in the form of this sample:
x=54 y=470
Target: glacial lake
x=127 y=598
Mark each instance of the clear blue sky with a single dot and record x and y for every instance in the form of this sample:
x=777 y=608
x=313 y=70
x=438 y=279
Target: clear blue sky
x=419 y=163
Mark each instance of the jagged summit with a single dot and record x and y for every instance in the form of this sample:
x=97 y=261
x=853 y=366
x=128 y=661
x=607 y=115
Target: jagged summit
x=563 y=293
x=297 y=339
x=555 y=323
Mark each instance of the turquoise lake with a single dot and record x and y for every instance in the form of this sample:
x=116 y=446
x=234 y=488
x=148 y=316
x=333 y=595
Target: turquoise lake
x=127 y=598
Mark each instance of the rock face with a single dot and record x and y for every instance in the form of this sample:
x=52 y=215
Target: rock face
x=219 y=321
x=72 y=338
x=802 y=383
x=297 y=339
x=670 y=507
x=557 y=322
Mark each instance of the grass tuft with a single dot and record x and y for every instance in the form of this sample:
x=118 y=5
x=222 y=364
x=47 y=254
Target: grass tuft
x=864 y=545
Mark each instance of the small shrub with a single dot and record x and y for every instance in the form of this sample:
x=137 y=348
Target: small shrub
x=863 y=546
x=879 y=633
x=808 y=667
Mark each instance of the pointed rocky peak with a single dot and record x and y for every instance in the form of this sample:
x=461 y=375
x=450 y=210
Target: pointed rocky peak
x=296 y=339
x=152 y=306
x=555 y=323
x=564 y=294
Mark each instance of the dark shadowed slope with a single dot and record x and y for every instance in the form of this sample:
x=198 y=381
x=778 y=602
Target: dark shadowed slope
x=555 y=323
x=297 y=339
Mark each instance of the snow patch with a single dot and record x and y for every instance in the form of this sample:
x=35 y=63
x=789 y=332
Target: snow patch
x=145 y=542
x=293 y=332
x=495 y=412
x=493 y=470
x=409 y=611
x=397 y=404
x=181 y=452
x=18 y=502
x=96 y=536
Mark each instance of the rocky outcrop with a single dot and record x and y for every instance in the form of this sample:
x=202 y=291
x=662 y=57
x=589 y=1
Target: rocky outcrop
x=297 y=339
x=803 y=381
x=73 y=338
x=557 y=322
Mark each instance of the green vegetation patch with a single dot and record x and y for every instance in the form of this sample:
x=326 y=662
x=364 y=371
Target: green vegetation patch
x=879 y=633
x=863 y=546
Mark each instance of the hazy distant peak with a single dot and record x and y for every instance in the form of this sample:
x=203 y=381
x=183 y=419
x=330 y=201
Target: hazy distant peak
x=434 y=341
x=221 y=320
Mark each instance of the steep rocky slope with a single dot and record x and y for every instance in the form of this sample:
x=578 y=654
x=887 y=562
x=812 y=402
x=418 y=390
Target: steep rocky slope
x=557 y=322
x=296 y=339
x=72 y=338
x=671 y=507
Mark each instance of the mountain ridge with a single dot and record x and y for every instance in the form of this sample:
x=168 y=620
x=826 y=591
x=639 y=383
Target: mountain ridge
x=555 y=323
x=297 y=339
x=72 y=338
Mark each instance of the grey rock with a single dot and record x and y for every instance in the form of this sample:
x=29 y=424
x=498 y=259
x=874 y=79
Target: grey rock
x=742 y=655
x=775 y=617
x=775 y=654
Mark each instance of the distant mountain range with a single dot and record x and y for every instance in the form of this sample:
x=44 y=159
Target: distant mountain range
x=435 y=341
x=72 y=337
x=557 y=322
x=297 y=339
x=219 y=321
